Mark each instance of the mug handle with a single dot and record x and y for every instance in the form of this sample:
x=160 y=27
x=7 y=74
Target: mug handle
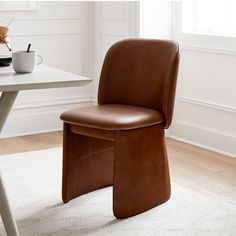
x=40 y=60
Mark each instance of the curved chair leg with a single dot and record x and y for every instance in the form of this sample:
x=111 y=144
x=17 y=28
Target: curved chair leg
x=141 y=173
x=87 y=164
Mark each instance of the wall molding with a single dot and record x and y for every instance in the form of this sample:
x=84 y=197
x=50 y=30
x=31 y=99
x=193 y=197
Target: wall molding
x=29 y=6
x=207 y=50
x=202 y=146
x=50 y=19
x=47 y=27
x=213 y=140
x=207 y=104
x=40 y=117
x=203 y=102
x=45 y=34
x=110 y=18
x=54 y=102
x=112 y=34
x=60 y=26
x=79 y=37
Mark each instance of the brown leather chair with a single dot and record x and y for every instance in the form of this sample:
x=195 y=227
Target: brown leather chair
x=121 y=141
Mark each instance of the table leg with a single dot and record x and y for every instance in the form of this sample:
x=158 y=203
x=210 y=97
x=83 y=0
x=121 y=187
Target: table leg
x=6 y=102
x=6 y=213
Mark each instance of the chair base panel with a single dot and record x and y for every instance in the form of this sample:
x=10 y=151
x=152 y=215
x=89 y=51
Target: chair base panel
x=135 y=164
x=87 y=164
x=141 y=172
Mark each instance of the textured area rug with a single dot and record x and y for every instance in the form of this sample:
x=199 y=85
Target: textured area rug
x=33 y=181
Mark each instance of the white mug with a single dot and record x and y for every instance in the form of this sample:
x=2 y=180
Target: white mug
x=24 y=62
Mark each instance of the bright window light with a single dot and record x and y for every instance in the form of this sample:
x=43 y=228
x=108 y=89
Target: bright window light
x=209 y=17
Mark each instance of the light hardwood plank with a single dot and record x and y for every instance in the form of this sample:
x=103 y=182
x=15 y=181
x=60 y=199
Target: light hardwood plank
x=30 y=143
x=203 y=170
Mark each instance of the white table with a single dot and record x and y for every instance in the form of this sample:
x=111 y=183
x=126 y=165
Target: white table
x=10 y=84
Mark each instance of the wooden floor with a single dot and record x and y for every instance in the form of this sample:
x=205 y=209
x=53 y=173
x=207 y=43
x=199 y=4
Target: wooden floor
x=30 y=143
x=190 y=166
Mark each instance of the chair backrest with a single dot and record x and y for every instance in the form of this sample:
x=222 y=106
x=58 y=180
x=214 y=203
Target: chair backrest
x=141 y=72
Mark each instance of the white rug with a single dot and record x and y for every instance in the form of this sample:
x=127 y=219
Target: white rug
x=33 y=181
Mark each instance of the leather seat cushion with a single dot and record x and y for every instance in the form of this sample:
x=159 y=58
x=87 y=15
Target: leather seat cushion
x=113 y=117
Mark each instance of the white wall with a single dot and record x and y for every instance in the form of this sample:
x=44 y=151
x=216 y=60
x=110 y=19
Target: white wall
x=156 y=19
x=113 y=21
x=73 y=36
x=205 y=102
x=205 y=111
x=62 y=32
x=205 y=108
x=156 y=22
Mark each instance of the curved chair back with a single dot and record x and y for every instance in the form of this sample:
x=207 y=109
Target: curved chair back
x=141 y=72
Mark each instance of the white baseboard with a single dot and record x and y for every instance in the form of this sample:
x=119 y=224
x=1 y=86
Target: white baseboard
x=200 y=136
x=41 y=117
